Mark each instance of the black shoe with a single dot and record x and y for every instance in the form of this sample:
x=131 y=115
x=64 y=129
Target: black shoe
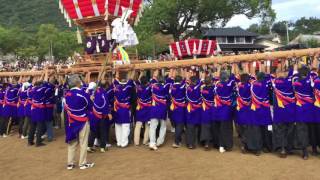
x=243 y=150
x=257 y=153
x=314 y=152
x=305 y=155
x=40 y=144
x=283 y=154
x=30 y=143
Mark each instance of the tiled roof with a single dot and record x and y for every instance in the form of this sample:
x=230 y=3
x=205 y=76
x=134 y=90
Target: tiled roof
x=235 y=31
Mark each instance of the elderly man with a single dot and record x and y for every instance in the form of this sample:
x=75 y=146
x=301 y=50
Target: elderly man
x=77 y=107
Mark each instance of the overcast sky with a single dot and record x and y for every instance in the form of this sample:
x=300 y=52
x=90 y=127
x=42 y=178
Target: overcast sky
x=288 y=10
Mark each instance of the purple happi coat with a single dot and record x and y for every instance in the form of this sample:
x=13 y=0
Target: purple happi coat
x=77 y=106
x=160 y=94
x=317 y=98
x=23 y=96
x=49 y=100
x=91 y=43
x=122 y=101
x=207 y=113
x=260 y=104
x=223 y=99
x=284 y=104
x=100 y=108
x=178 y=107
x=28 y=102
x=104 y=44
x=38 y=107
x=11 y=101
x=2 y=93
x=143 y=102
x=244 y=112
x=193 y=94
x=305 y=109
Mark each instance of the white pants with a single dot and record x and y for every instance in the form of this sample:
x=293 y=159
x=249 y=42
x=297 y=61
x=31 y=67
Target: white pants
x=153 y=129
x=122 y=134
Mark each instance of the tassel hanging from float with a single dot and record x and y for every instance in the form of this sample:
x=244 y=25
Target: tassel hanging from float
x=138 y=15
x=79 y=39
x=69 y=21
x=60 y=5
x=108 y=32
x=107 y=11
x=97 y=47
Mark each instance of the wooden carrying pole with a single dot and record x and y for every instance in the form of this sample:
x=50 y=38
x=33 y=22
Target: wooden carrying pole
x=176 y=64
x=223 y=59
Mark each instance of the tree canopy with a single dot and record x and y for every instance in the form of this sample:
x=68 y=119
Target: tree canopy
x=185 y=18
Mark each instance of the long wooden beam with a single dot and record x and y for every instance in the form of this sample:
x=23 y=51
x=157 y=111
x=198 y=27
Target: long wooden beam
x=223 y=59
x=176 y=64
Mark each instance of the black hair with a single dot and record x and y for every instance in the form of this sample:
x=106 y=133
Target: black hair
x=304 y=71
x=144 y=80
x=194 y=80
x=103 y=84
x=178 y=79
x=38 y=83
x=208 y=80
x=261 y=76
x=244 y=78
x=224 y=76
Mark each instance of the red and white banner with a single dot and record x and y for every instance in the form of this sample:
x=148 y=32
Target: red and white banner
x=78 y=9
x=193 y=47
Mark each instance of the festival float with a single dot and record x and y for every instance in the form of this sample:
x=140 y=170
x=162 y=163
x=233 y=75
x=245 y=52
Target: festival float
x=106 y=26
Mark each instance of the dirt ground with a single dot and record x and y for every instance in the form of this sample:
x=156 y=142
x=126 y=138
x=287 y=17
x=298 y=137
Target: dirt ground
x=18 y=161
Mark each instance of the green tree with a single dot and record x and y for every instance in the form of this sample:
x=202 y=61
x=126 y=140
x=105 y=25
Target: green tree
x=46 y=36
x=313 y=43
x=185 y=18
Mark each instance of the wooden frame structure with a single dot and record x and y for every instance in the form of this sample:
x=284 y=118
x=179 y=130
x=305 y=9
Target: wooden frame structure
x=92 y=72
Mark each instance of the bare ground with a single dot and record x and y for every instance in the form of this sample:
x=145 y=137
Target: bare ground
x=18 y=161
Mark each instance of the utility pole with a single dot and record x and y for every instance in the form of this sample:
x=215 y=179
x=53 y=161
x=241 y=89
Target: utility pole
x=288 y=39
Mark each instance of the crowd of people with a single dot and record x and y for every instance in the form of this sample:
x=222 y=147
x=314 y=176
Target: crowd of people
x=272 y=111
x=30 y=65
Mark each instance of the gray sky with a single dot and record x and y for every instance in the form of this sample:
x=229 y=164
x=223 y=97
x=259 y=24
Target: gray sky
x=288 y=10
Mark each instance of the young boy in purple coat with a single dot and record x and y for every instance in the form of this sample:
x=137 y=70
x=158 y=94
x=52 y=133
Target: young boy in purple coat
x=284 y=109
x=223 y=124
x=158 y=112
x=101 y=115
x=142 y=115
x=178 y=106
x=207 y=113
x=193 y=116
x=38 y=114
x=10 y=110
x=122 y=107
x=305 y=108
x=260 y=132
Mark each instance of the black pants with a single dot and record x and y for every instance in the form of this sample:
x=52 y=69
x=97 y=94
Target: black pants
x=21 y=124
x=26 y=126
x=6 y=125
x=223 y=134
x=178 y=132
x=101 y=133
x=192 y=134
x=3 y=126
x=36 y=127
x=314 y=134
x=301 y=140
x=283 y=136
x=206 y=133
x=267 y=138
